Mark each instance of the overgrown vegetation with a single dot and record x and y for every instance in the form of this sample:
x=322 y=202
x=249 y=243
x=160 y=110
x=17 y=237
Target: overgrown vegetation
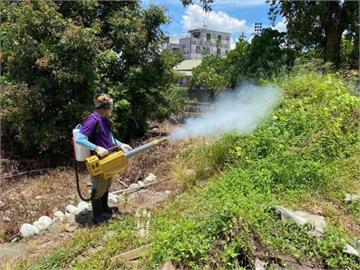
x=295 y=158
x=266 y=56
x=304 y=155
x=55 y=54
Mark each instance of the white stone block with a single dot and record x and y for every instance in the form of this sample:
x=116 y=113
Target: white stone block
x=28 y=230
x=58 y=216
x=71 y=209
x=150 y=178
x=112 y=198
x=82 y=206
x=133 y=186
x=46 y=221
x=141 y=184
x=70 y=218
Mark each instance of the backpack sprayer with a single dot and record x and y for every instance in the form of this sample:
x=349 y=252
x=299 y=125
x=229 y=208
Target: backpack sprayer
x=114 y=163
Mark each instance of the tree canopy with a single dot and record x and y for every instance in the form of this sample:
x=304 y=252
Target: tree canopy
x=211 y=74
x=55 y=54
x=319 y=24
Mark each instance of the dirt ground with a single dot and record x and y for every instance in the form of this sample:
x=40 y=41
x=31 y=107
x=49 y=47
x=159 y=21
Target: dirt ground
x=25 y=199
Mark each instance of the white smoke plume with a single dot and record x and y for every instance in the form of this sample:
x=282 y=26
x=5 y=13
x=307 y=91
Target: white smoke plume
x=240 y=111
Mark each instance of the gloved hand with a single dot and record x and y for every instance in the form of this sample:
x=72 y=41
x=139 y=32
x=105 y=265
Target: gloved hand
x=101 y=151
x=125 y=147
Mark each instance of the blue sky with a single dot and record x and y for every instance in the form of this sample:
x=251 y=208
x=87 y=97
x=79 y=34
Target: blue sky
x=235 y=16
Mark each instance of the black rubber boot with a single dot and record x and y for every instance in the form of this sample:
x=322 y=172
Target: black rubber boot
x=98 y=217
x=105 y=207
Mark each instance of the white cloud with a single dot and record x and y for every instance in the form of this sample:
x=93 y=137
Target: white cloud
x=281 y=26
x=195 y=15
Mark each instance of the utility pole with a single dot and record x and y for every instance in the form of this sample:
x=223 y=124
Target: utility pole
x=205 y=19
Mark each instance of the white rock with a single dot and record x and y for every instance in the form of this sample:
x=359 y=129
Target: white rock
x=260 y=265
x=356 y=244
x=112 y=198
x=167 y=266
x=70 y=218
x=71 y=209
x=47 y=221
x=133 y=186
x=150 y=178
x=27 y=230
x=82 y=206
x=167 y=192
x=58 y=216
x=350 y=198
x=351 y=251
x=141 y=184
x=119 y=197
x=43 y=223
x=39 y=225
x=301 y=218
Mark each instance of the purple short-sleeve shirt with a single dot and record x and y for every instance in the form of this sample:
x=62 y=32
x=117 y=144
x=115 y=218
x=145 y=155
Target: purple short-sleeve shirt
x=103 y=137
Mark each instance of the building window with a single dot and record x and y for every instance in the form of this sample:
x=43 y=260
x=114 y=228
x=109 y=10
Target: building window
x=196 y=34
x=206 y=50
x=218 y=51
x=197 y=49
x=208 y=37
x=227 y=38
x=219 y=37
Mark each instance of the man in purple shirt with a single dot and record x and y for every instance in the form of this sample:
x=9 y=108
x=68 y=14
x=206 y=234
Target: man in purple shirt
x=96 y=135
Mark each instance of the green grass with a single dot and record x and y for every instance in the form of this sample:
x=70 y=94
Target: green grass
x=304 y=155
x=306 y=149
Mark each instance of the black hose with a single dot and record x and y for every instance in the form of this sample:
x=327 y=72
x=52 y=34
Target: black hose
x=78 y=185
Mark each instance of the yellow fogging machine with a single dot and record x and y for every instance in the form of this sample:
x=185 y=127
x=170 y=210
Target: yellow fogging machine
x=116 y=162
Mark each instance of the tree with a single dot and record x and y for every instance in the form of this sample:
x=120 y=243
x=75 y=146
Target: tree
x=205 y=3
x=211 y=74
x=237 y=61
x=319 y=24
x=266 y=55
x=55 y=54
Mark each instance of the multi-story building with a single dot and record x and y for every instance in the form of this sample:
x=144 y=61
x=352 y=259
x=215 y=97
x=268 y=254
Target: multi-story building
x=201 y=42
x=170 y=46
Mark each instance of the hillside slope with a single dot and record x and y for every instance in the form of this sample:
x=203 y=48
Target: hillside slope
x=303 y=157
